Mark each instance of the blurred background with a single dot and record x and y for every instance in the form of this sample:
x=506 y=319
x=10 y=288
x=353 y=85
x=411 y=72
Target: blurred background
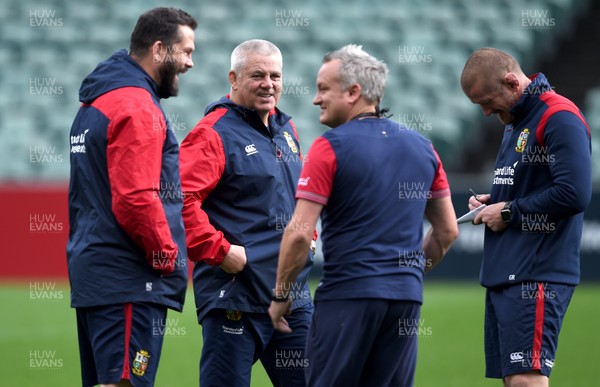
x=48 y=47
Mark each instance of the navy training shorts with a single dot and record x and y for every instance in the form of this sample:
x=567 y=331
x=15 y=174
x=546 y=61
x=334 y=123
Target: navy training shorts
x=363 y=343
x=121 y=341
x=522 y=323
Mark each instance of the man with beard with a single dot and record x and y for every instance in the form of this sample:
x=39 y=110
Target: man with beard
x=239 y=166
x=126 y=249
x=533 y=218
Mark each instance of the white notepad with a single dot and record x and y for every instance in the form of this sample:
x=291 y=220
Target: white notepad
x=469 y=216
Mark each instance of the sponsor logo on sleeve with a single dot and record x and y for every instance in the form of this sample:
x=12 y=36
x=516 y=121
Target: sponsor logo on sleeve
x=303 y=181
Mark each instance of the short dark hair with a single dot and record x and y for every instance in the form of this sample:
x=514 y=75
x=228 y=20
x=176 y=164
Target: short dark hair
x=159 y=24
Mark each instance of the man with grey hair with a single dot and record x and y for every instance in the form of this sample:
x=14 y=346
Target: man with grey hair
x=239 y=166
x=372 y=181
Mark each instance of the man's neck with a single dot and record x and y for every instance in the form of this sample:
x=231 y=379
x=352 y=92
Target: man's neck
x=360 y=110
x=147 y=64
x=264 y=117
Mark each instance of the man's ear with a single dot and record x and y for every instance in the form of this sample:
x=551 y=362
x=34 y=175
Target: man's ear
x=159 y=51
x=354 y=92
x=512 y=81
x=233 y=80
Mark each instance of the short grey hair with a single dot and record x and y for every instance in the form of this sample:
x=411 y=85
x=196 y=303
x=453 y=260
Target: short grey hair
x=254 y=46
x=490 y=65
x=359 y=67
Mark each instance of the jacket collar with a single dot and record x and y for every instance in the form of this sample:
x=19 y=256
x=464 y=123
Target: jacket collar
x=539 y=85
x=277 y=118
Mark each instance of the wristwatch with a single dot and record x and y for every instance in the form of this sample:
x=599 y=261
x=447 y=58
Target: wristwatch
x=280 y=298
x=506 y=212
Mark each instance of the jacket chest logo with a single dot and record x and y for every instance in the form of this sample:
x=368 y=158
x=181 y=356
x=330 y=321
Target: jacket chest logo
x=522 y=140
x=290 y=142
x=250 y=149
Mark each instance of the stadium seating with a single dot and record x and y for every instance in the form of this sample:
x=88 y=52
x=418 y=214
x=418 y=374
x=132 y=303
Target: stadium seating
x=592 y=115
x=425 y=92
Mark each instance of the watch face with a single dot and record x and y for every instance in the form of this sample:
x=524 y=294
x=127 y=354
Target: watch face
x=505 y=215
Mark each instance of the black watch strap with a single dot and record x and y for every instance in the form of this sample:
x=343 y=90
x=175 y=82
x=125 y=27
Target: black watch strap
x=280 y=298
x=506 y=212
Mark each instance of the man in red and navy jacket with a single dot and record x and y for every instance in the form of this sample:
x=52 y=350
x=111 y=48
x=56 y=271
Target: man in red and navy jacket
x=239 y=167
x=126 y=250
x=534 y=215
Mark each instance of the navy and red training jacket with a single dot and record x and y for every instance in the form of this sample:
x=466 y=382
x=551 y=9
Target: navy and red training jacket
x=239 y=178
x=126 y=238
x=544 y=167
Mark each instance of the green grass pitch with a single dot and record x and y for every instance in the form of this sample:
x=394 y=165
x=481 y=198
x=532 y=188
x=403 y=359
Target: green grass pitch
x=38 y=339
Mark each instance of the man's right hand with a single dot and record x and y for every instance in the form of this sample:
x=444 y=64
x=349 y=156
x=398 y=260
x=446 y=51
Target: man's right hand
x=235 y=260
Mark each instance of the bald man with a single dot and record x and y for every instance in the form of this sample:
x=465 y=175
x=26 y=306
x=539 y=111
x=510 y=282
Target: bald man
x=534 y=215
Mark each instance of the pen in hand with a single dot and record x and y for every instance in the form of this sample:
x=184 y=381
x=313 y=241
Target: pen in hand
x=476 y=196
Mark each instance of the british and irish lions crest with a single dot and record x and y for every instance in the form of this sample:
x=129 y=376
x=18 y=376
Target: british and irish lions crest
x=290 y=141
x=522 y=140
x=140 y=363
